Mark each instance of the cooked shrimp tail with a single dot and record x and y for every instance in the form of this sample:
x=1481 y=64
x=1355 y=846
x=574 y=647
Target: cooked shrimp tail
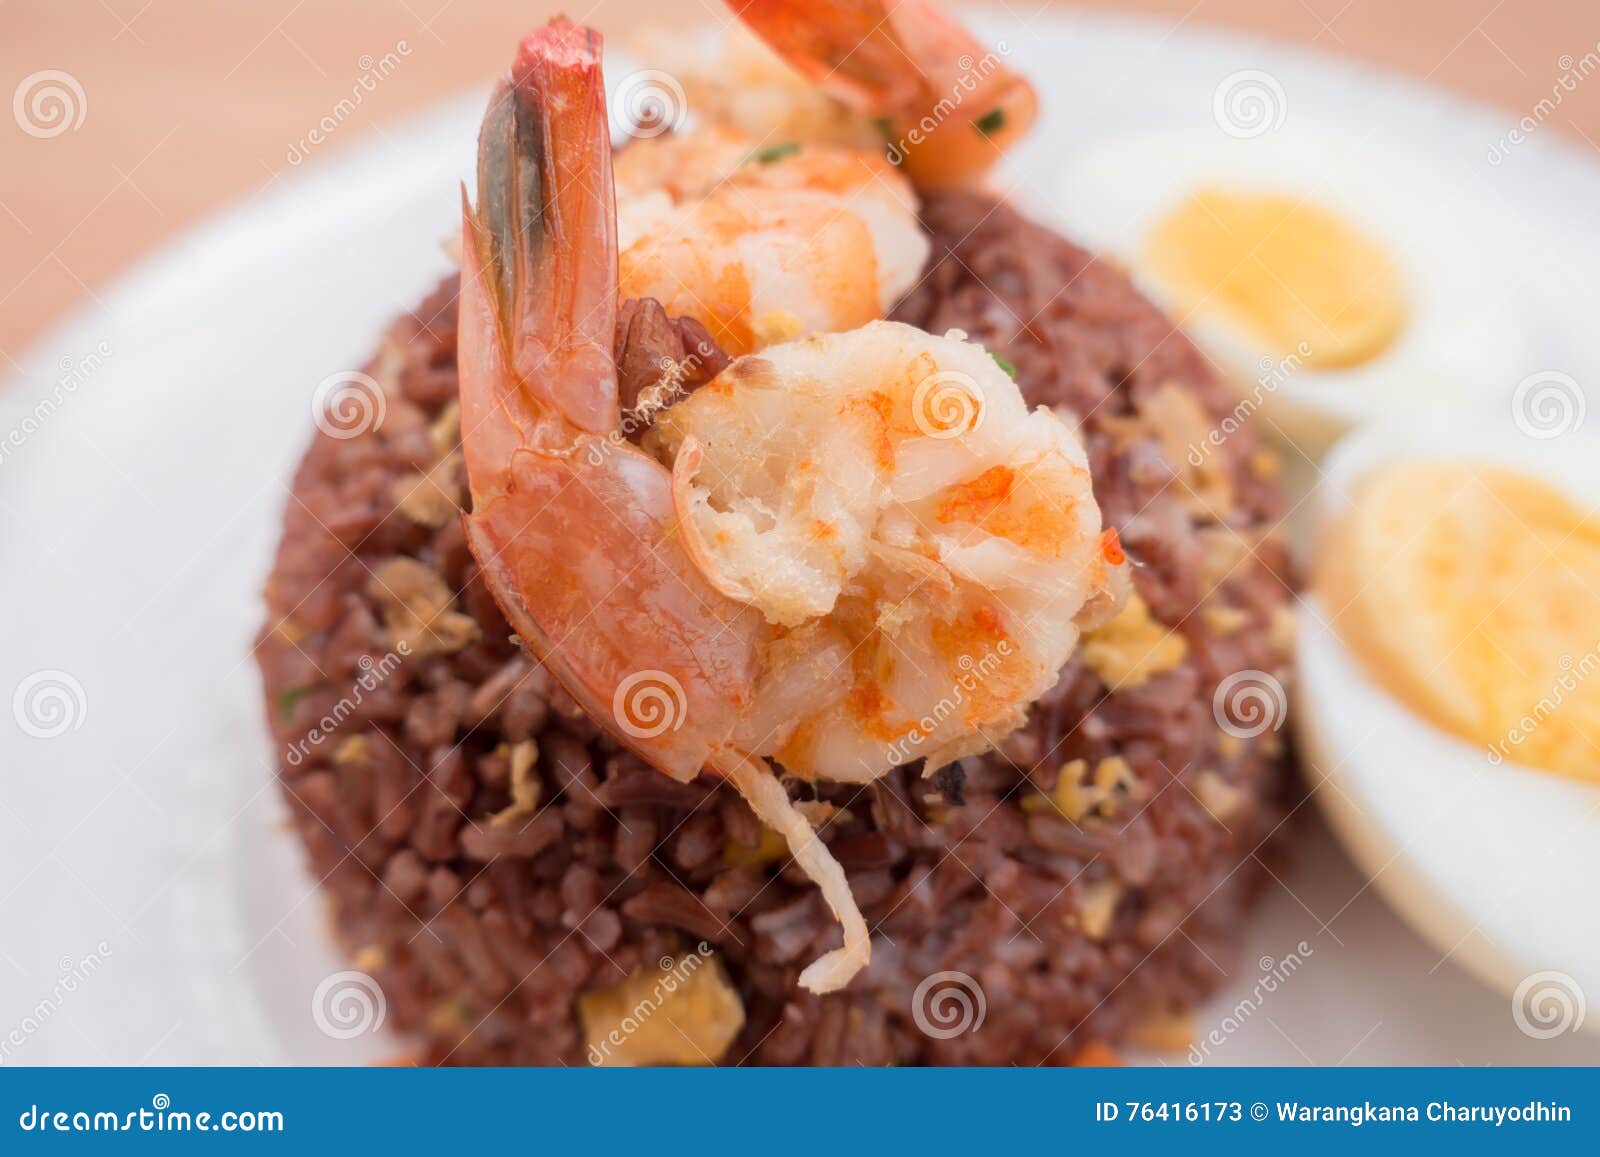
x=571 y=525
x=949 y=106
x=539 y=257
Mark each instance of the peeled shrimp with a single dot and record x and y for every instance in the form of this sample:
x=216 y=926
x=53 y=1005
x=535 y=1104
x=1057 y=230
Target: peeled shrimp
x=841 y=554
x=780 y=214
x=947 y=105
x=763 y=243
x=731 y=78
x=901 y=520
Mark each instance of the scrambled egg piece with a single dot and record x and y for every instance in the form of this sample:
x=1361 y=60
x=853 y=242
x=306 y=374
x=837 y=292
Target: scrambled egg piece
x=1132 y=647
x=1074 y=798
x=430 y=498
x=770 y=850
x=1097 y=904
x=678 y=1012
x=1183 y=428
x=416 y=608
x=1218 y=796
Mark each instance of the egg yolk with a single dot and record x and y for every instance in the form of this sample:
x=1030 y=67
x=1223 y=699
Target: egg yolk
x=1473 y=593
x=1284 y=269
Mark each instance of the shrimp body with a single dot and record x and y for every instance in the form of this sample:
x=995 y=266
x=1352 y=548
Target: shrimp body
x=824 y=557
x=922 y=547
x=759 y=245
x=732 y=78
x=948 y=106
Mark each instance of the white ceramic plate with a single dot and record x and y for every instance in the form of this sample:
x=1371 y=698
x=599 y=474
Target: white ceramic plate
x=155 y=908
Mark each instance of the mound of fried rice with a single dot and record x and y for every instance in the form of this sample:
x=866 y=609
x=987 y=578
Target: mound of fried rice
x=528 y=893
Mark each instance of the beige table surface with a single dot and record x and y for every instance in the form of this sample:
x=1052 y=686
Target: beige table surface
x=187 y=104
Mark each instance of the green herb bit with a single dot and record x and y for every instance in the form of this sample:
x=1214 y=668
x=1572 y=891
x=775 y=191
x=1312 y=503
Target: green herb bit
x=290 y=699
x=776 y=153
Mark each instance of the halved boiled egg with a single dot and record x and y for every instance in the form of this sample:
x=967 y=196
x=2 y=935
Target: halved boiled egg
x=1333 y=283
x=1449 y=688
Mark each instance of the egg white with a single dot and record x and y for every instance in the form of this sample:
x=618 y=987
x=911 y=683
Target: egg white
x=1463 y=344
x=1496 y=865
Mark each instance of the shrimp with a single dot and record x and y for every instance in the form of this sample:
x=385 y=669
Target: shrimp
x=948 y=106
x=780 y=214
x=842 y=554
x=890 y=505
x=760 y=244
x=731 y=78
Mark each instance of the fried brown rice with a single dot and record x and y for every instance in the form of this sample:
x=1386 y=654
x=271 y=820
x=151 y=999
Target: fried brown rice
x=503 y=869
